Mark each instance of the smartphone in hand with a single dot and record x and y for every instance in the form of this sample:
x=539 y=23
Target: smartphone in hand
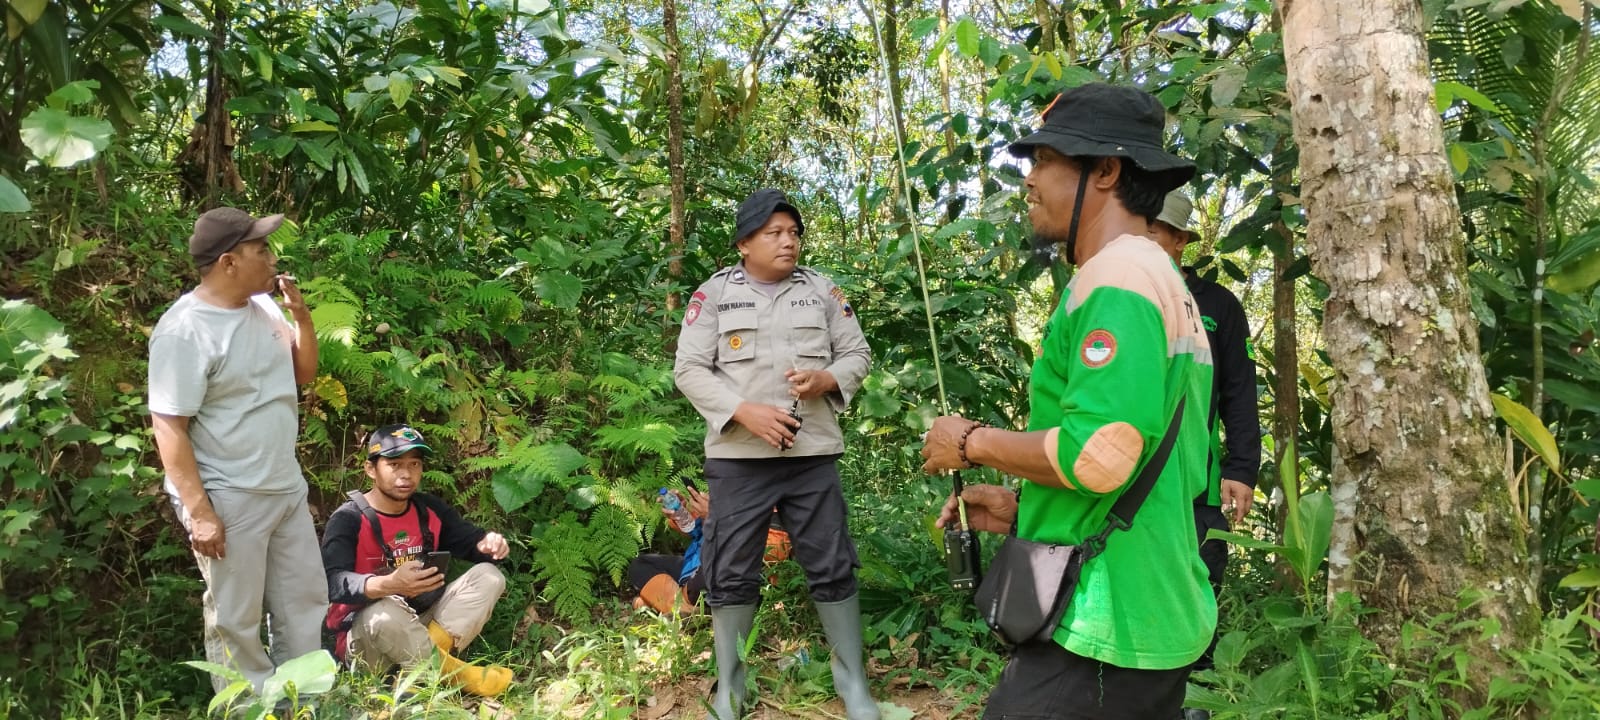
x=439 y=560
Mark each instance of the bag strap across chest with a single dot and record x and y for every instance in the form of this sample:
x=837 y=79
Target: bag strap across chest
x=375 y=523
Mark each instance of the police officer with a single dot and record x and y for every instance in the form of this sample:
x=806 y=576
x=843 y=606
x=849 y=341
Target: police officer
x=767 y=348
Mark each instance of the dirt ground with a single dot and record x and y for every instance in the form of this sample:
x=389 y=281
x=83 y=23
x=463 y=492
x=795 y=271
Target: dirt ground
x=683 y=702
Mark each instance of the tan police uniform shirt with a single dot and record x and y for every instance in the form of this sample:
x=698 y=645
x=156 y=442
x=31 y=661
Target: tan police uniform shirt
x=736 y=344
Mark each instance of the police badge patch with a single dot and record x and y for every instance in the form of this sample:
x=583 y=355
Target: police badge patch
x=693 y=312
x=843 y=303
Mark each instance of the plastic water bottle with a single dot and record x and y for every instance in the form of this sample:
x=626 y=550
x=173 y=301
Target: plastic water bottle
x=676 y=510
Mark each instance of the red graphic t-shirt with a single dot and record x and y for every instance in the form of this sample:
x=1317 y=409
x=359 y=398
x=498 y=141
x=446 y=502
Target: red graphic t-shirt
x=403 y=536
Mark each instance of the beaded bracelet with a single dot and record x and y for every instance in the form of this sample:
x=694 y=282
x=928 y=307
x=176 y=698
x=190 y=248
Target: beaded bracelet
x=961 y=447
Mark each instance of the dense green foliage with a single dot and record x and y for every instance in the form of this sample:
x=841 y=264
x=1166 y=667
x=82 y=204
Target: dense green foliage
x=480 y=224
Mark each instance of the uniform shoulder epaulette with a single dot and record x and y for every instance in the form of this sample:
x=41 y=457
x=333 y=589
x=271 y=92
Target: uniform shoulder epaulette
x=723 y=271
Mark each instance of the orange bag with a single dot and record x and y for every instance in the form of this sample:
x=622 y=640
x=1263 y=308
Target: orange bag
x=777 y=545
x=663 y=595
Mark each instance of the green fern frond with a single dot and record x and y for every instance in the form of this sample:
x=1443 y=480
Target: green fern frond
x=397 y=273
x=562 y=556
x=448 y=277
x=639 y=434
x=623 y=394
x=316 y=432
x=613 y=540
x=497 y=299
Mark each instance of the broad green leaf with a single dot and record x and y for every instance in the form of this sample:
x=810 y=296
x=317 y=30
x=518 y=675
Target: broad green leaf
x=1459 y=160
x=28 y=10
x=11 y=198
x=318 y=153
x=63 y=140
x=181 y=26
x=1587 y=487
x=399 y=88
x=73 y=93
x=312 y=126
x=225 y=698
x=1448 y=92
x=879 y=404
x=376 y=83
x=1244 y=541
x=17 y=522
x=310 y=674
x=1443 y=97
x=20 y=322
x=1512 y=51
x=559 y=288
x=280 y=146
x=1585 y=578
x=966 y=32
x=263 y=64
x=1576 y=277
x=222 y=671
x=1578 y=396
x=1529 y=429
x=1226 y=86
x=514 y=489
x=358 y=172
x=956 y=228
x=1314 y=533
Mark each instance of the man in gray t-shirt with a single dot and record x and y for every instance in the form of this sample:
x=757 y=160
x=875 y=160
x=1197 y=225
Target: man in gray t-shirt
x=223 y=369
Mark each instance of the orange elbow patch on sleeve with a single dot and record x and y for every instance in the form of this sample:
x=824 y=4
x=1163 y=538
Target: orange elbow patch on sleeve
x=1108 y=459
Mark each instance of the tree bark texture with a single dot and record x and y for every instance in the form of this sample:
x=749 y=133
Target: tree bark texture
x=891 y=52
x=1285 y=359
x=669 y=21
x=1416 y=470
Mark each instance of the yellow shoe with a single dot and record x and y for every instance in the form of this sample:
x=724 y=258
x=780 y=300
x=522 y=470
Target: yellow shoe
x=481 y=681
x=441 y=638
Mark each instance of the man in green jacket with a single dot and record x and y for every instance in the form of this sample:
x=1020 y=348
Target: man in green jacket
x=1120 y=352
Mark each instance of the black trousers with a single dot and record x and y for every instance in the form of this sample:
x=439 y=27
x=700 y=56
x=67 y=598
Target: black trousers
x=810 y=503
x=1044 y=681
x=1214 y=553
x=644 y=567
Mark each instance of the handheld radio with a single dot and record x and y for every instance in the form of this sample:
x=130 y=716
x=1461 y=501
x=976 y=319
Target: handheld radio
x=961 y=547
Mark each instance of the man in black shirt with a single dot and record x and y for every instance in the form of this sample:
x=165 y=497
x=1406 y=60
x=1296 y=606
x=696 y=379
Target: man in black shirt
x=390 y=604
x=1235 y=455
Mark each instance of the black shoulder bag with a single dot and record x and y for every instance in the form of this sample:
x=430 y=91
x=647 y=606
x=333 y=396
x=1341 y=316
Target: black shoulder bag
x=1029 y=584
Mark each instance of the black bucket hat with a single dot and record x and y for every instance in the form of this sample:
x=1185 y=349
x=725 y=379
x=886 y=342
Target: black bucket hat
x=1100 y=120
x=757 y=209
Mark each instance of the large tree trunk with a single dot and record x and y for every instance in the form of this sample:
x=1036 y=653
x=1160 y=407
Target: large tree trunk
x=1285 y=360
x=1415 y=451
x=891 y=52
x=669 y=20
x=205 y=165
x=953 y=208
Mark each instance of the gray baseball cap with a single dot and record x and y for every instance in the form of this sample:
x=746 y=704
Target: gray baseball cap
x=220 y=230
